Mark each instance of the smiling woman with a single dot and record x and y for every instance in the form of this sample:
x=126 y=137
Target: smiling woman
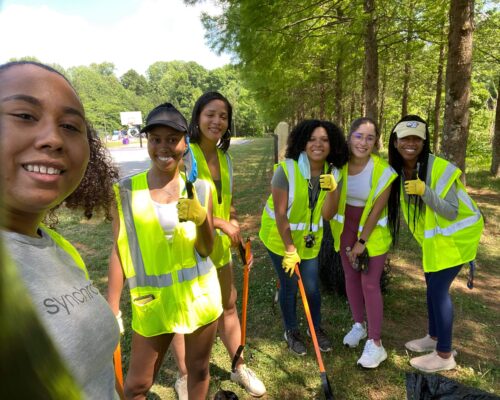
x=48 y=151
x=164 y=232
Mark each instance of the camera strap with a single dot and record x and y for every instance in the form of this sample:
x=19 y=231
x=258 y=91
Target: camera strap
x=313 y=199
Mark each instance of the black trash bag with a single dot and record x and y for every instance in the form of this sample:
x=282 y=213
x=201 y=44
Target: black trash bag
x=437 y=387
x=330 y=266
x=225 y=395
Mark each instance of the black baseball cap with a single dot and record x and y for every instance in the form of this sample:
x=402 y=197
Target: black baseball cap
x=166 y=114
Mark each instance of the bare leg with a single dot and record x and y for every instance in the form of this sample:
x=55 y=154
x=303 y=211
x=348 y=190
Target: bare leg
x=198 y=349
x=179 y=352
x=229 y=324
x=145 y=360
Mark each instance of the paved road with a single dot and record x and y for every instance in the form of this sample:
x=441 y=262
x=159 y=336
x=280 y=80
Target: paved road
x=132 y=159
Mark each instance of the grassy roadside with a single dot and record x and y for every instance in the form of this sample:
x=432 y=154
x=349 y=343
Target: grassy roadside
x=477 y=312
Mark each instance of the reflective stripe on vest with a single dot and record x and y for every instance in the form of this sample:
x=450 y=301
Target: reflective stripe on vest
x=453 y=228
x=230 y=167
x=141 y=279
x=291 y=191
x=444 y=179
x=457 y=226
x=302 y=226
x=290 y=166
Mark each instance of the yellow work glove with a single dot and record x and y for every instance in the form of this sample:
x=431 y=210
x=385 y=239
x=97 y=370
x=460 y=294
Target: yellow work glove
x=119 y=320
x=290 y=259
x=191 y=210
x=415 y=186
x=327 y=182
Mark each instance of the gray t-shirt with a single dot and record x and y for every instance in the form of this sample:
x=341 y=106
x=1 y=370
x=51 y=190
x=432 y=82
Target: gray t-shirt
x=75 y=315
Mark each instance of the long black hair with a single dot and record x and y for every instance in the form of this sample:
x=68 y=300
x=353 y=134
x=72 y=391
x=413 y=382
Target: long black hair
x=396 y=161
x=201 y=103
x=301 y=134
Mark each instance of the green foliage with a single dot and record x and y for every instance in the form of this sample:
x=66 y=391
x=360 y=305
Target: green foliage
x=104 y=95
x=305 y=58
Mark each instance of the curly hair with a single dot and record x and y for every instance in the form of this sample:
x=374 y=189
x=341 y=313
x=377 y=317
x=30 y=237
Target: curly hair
x=301 y=134
x=396 y=161
x=95 y=191
x=201 y=103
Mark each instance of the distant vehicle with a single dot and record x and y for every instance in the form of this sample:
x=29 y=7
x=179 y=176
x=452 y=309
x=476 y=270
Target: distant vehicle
x=135 y=132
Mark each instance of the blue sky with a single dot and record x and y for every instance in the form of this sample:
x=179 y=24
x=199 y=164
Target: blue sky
x=129 y=33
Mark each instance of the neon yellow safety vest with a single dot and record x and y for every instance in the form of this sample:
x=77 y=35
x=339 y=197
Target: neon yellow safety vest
x=172 y=288
x=445 y=243
x=221 y=254
x=298 y=214
x=380 y=238
x=67 y=247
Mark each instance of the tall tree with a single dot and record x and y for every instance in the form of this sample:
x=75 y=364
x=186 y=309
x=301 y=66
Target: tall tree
x=458 y=82
x=439 y=89
x=370 y=83
x=135 y=82
x=495 y=156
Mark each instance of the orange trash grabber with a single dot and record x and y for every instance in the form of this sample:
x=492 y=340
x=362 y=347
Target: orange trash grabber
x=325 y=383
x=117 y=361
x=246 y=255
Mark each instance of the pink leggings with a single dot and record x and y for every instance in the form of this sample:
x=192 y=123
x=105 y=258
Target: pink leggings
x=363 y=290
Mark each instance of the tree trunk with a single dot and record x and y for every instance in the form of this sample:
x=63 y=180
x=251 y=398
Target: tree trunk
x=362 y=102
x=407 y=66
x=495 y=154
x=371 y=62
x=338 y=92
x=439 y=92
x=381 y=126
x=322 y=98
x=352 y=107
x=458 y=82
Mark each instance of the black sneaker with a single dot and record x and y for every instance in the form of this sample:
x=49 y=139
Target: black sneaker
x=294 y=341
x=323 y=342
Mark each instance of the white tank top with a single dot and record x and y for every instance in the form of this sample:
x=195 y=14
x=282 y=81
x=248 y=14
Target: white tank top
x=167 y=216
x=359 y=186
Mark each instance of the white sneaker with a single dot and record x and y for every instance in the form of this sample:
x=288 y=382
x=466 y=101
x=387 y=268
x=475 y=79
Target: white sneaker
x=245 y=377
x=422 y=345
x=372 y=355
x=357 y=333
x=432 y=362
x=181 y=387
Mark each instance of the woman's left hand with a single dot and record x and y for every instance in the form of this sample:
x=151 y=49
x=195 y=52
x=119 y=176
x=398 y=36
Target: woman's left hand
x=234 y=233
x=357 y=249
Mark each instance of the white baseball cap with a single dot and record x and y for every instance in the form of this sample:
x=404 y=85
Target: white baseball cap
x=410 y=128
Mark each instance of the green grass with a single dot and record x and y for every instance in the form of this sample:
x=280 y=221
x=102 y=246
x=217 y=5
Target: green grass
x=476 y=332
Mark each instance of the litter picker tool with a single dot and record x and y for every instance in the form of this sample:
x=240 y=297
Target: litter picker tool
x=470 y=279
x=246 y=256
x=117 y=361
x=325 y=383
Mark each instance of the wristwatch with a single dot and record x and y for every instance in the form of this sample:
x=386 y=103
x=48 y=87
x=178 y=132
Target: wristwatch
x=362 y=241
